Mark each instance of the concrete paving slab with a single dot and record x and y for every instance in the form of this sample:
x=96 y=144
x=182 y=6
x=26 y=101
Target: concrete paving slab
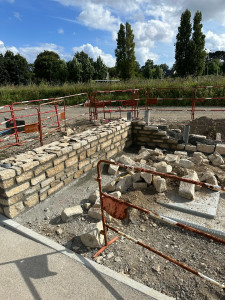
x=34 y=267
x=204 y=205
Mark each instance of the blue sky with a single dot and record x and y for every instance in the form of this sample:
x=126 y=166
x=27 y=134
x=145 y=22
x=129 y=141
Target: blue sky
x=29 y=27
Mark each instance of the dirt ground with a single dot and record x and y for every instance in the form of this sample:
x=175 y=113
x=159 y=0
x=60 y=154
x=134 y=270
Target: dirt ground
x=126 y=257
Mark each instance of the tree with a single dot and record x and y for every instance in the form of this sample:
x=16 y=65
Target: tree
x=100 y=69
x=49 y=67
x=147 y=69
x=16 y=68
x=4 y=75
x=86 y=65
x=183 y=45
x=137 y=69
x=198 y=46
x=125 y=54
x=74 y=70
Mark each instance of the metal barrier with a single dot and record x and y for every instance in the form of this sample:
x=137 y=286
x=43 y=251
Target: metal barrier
x=106 y=99
x=203 y=99
x=152 y=98
x=117 y=208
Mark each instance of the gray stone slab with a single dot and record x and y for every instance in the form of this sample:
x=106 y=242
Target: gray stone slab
x=204 y=205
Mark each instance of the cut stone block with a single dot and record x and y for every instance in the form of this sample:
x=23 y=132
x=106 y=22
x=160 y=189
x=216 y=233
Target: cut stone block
x=126 y=160
x=171 y=158
x=71 y=211
x=93 y=196
x=95 y=213
x=124 y=184
x=163 y=167
x=220 y=148
x=187 y=190
x=136 y=177
x=110 y=187
x=113 y=169
x=185 y=163
x=140 y=185
x=147 y=177
x=216 y=159
x=206 y=148
x=93 y=238
x=159 y=183
x=209 y=177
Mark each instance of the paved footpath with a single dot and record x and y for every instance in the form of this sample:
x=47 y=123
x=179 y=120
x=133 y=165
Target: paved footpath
x=34 y=267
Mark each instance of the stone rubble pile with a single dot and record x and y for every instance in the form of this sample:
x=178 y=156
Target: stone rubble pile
x=126 y=178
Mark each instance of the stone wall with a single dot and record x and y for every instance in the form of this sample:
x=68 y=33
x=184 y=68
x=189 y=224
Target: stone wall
x=29 y=178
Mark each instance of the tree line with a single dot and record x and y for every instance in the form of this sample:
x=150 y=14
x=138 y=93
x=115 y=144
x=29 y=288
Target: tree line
x=191 y=58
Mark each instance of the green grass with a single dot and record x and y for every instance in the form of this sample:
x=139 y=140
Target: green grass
x=11 y=94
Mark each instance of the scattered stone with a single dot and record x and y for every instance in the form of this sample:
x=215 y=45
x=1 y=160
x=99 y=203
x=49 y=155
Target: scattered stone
x=69 y=131
x=159 y=184
x=216 y=159
x=196 y=178
x=113 y=169
x=93 y=238
x=209 y=177
x=147 y=177
x=220 y=148
x=96 y=214
x=59 y=231
x=116 y=194
x=143 y=155
x=163 y=167
x=110 y=255
x=136 y=177
x=205 y=148
x=187 y=190
x=71 y=211
x=110 y=187
x=126 y=160
x=93 y=196
x=124 y=184
x=171 y=158
x=185 y=163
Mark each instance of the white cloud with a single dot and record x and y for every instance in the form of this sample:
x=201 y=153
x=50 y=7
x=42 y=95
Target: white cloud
x=215 y=42
x=95 y=16
x=144 y=53
x=95 y=52
x=60 y=31
x=4 y=48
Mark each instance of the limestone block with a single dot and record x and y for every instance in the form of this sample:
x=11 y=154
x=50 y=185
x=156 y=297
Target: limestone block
x=52 y=171
x=116 y=194
x=205 y=148
x=159 y=184
x=42 y=168
x=7 y=173
x=126 y=160
x=186 y=163
x=163 y=167
x=38 y=179
x=93 y=196
x=136 y=177
x=147 y=177
x=7 y=183
x=216 y=159
x=29 y=165
x=209 y=177
x=71 y=211
x=190 y=148
x=31 y=200
x=17 y=189
x=93 y=238
x=171 y=158
x=96 y=214
x=143 y=155
x=110 y=187
x=220 y=148
x=187 y=190
x=13 y=210
x=55 y=188
x=113 y=169
x=124 y=184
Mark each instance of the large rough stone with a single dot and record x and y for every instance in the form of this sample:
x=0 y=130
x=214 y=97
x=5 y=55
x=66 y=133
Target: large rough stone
x=110 y=187
x=171 y=158
x=206 y=148
x=95 y=213
x=216 y=159
x=139 y=185
x=124 y=184
x=136 y=177
x=159 y=183
x=187 y=190
x=14 y=210
x=126 y=160
x=185 y=163
x=209 y=177
x=71 y=211
x=147 y=177
x=143 y=155
x=93 y=238
x=220 y=148
x=116 y=194
x=195 y=177
x=113 y=169
x=93 y=196
x=163 y=167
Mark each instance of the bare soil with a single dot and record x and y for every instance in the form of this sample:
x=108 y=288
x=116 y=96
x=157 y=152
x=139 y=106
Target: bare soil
x=125 y=256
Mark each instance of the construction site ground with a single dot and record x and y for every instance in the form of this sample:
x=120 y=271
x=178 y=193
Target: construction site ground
x=125 y=257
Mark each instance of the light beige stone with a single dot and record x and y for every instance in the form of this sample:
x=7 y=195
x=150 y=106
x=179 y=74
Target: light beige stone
x=7 y=173
x=14 y=210
x=31 y=200
x=53 y=171
x=55 y=188
x=159 y=184
x=16 y=190
x=7 y=183
x=25 y=176
x=71 y=211
x=93 y=238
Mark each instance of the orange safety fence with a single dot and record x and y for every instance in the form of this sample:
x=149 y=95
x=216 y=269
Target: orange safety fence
x=118 y=208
